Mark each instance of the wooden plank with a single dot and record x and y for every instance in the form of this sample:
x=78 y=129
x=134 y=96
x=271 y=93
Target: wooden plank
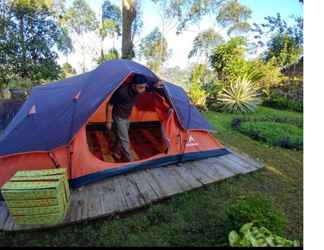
x=187 y=176
x=155 y=185
x=218 y=169
x=166 y=181
x=234 y=166
x=133 y=190
x=199 y=174
x=239 y=163
x=221 y=170
x=246 y=158
x=131 y=194
x=145 y=189
x=185 y=182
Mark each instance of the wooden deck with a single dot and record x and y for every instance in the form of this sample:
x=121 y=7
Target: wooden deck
x=126 y=192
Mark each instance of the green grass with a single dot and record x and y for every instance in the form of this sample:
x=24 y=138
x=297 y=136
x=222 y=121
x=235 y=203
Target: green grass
x=198 y=217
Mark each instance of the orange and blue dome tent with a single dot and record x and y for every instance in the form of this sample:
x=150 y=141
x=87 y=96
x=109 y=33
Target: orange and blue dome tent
x=62 y=125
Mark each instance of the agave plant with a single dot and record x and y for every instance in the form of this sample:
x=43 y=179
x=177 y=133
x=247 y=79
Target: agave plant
x=240 y=96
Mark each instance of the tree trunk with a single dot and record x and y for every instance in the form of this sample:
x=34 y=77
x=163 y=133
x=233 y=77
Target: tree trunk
x=129 y=14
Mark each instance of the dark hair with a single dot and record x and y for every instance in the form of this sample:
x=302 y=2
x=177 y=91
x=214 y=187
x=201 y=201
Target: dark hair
x=139 y=79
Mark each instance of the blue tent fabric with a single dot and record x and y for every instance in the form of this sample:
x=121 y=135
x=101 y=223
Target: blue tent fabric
x=61 y=108
x=188 y=115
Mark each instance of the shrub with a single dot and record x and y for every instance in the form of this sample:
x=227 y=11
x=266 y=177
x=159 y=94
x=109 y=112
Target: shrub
x=198 y=96
x=279 y=102
x=257 y=209
x=273 y=133
x=293 y=120
x=252 y=236
x=213 y=88
x=241 y=96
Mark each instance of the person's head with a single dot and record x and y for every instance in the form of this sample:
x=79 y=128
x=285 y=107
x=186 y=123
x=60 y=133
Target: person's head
x=139 y=84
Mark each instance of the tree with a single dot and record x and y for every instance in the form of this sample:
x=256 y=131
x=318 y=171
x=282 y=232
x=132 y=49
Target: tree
x=111 y=55
x=276 y=25
x=204 y=42
x=30 y=34
x=81 y=19
x=111 y=21
x=189 y=11
x=284 y=50
x=234 y=16
x=129 y=15
x=226 y=53
x=154 y=48
x=68 y=70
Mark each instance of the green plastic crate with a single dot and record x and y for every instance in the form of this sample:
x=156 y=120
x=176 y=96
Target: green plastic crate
x=37 y=197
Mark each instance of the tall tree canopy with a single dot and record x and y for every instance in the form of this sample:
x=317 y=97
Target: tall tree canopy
x=112 y=12
x=28 y=40
x=81 y=19
x=189 y=11
x=204 y=42
x=154 y=48
x=234 y=16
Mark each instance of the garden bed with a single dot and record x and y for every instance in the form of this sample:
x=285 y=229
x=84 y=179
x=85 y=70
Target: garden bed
x=275 y=131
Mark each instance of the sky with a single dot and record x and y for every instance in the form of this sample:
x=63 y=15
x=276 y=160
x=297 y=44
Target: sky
x=179 y=44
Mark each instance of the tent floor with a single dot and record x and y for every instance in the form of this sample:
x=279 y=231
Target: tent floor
x=145 y=140
x=130 y=191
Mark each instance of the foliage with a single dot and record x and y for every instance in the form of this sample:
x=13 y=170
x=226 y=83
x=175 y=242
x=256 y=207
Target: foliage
x=226 y=53
x=213 y=88
x=234 y=16
x=81 y=18
x=112 y=13
x=276 y=131
x=111 y=55
x=286 y=43
x=252 y=236
x=284 y=50
x=286 y=118
x=68 y=70
x=188 y=12
x=198 y=74
x=198 y=96
x=280 y=102
x=258 y=209
x=268 y=75
x=154 y=48
x=276 y=25
x=204 y=42
x=176 y=75
x=30 y=34
x=240 y=96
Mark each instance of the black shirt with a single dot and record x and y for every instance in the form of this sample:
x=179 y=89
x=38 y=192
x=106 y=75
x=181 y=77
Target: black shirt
x=123 y=101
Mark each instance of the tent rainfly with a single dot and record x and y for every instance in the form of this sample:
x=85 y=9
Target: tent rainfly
x=62 y=125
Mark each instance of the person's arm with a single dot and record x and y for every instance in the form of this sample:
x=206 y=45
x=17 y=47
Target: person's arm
x=109 y=109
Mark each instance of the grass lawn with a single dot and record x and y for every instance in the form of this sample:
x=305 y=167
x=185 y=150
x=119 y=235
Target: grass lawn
x=195 y=218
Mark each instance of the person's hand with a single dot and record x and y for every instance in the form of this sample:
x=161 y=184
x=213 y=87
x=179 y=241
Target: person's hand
x=108 y=125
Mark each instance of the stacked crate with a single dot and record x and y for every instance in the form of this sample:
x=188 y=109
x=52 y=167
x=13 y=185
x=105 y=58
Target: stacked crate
x=37 y=197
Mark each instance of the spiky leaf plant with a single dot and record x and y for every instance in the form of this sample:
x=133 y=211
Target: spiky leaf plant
x=240 y=96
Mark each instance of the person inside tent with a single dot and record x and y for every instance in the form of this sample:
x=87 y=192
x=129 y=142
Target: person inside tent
x=118 y=111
